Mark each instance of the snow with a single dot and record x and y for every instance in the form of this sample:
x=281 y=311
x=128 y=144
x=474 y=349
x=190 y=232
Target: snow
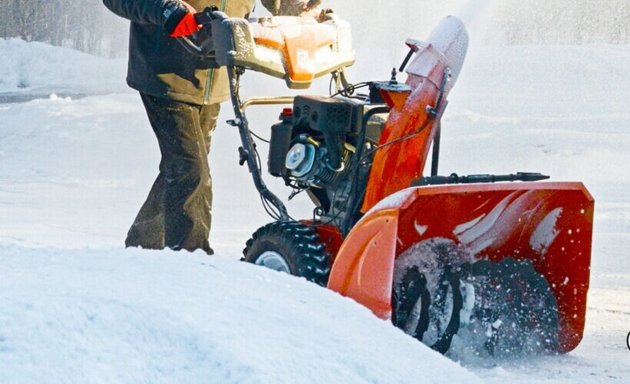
x=38 y=68
x=136 y=316
x=76 y=307
x=546 y=232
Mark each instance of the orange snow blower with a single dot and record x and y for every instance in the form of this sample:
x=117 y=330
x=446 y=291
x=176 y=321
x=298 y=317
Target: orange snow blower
x=497 y=263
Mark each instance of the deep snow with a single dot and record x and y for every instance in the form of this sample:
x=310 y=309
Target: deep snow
x=40 y=69
x=76 y=307
x=138 y=316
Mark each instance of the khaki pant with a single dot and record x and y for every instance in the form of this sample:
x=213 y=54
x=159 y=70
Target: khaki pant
x=178 y=211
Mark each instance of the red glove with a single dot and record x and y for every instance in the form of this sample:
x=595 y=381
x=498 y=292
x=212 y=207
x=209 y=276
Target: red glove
x=186 y=26
x=180 y=19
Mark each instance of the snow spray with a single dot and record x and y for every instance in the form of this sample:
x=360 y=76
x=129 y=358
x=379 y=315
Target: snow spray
x=476 y=16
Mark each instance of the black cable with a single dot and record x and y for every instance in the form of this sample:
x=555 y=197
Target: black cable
x=336 y=216
x=269 y=208
x=249 y=153
x=258 y=137
x=348 y=91
x=354 y=170
x=355 y=199
x=432 y=111
x=400 y=139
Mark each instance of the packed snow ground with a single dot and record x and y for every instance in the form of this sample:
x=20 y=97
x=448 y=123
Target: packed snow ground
x=76 y=307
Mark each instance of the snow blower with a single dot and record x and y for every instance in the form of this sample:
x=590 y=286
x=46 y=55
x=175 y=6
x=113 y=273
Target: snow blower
x=497 y=262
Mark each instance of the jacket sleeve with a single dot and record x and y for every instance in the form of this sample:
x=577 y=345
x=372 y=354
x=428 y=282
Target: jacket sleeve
x=144 y=11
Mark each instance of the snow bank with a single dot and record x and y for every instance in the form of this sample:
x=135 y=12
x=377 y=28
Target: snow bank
x=139 y=316
x=38 y=67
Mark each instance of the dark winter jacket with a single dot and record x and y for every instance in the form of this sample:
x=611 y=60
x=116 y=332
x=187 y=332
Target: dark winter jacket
x=159 y=65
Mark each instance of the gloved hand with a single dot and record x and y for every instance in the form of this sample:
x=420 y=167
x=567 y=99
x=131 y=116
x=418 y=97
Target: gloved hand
x=180 y=19
x=313 y=9
x=310 y=8
x=293 y=7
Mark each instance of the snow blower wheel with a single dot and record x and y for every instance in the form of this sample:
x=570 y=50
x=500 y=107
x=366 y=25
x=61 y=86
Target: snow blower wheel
x=289 y=247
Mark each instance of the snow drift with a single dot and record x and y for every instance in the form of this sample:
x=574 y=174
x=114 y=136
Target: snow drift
x=140 y=316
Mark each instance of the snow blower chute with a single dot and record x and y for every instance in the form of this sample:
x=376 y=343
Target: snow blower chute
x=500 y=261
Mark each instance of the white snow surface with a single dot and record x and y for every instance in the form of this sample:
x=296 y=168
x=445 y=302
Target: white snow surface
x=75 y=307
x=156 y=317
x=38 y=68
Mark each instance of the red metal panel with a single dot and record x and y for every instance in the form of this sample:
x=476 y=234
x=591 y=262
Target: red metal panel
x=547 y=223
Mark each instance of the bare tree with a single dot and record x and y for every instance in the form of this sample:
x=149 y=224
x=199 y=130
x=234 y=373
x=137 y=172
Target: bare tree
x=82 y=24
x=87 y=25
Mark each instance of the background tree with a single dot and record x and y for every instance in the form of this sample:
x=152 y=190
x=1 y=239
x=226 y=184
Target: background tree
x=87 y=25
x=82 y=24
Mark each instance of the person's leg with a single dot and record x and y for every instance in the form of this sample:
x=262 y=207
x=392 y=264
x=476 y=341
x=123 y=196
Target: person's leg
x=147 y=230
x=208 y=118
x=199 y=206
x=184 y=182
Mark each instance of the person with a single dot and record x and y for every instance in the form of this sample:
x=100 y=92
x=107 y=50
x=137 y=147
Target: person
x=181 y=94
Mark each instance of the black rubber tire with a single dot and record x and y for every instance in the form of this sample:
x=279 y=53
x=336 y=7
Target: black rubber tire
x=298 y=245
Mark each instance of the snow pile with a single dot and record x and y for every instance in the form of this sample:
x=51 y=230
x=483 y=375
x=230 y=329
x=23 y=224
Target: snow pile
x=140 y=316
x=40 y=68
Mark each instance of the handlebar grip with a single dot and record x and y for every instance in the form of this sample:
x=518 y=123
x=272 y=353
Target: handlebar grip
x=209 y=14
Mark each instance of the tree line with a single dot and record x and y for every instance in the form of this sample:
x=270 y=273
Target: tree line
x=564 y=21
x=88 y=26
x=82 y=24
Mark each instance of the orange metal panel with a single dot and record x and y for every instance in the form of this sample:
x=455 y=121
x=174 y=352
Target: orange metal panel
x=363 y=269
x=549 y=224
x=298 y=42
x=396 y=165
x=410 y=128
